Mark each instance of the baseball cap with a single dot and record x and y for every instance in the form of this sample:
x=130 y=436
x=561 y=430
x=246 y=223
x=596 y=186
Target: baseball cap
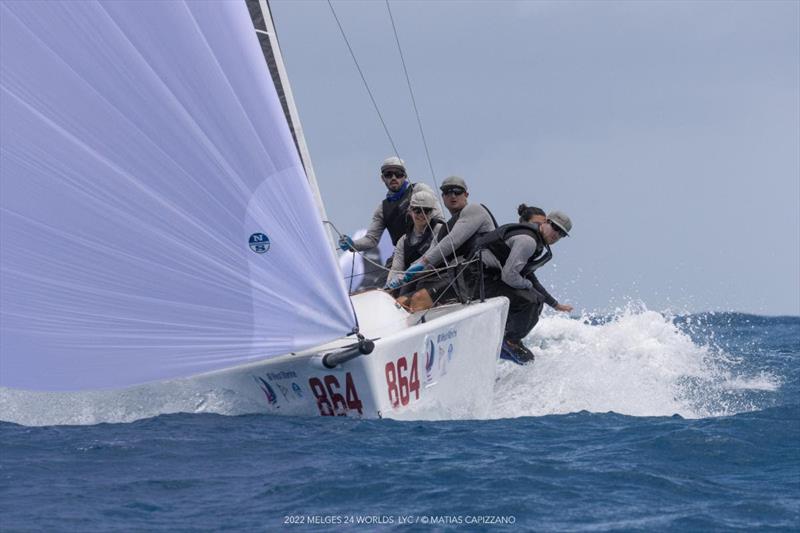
x=423 y=199
x=453 y=181
x=560 y=219
x=393 y=162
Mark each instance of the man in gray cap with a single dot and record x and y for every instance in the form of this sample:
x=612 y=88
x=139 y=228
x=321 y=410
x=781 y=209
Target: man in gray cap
x=392 y=213
x=455 y=242
x=511 y=255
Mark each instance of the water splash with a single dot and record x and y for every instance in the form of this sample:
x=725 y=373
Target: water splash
x=95 y=407
x=634 y=362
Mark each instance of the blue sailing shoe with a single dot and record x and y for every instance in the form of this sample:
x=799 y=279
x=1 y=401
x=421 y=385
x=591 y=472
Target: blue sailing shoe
x=516 y=352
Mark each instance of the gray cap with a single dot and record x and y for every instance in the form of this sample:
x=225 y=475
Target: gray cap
x=393 y=162
x=453 y=181
x=423 y=199
x=560 y=219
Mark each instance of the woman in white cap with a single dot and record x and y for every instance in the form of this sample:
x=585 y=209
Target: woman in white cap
x=415 y=242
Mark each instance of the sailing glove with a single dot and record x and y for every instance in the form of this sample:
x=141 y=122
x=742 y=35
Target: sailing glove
x=346 y=243
x=412 y=271
x=395 y=283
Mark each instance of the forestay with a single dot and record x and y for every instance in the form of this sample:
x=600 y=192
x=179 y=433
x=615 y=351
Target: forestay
x=156 y=222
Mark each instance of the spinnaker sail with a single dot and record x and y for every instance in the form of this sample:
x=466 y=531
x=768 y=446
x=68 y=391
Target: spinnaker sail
x=155 y=220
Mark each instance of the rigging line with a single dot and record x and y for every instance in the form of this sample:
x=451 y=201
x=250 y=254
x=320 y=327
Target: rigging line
x=419 y=119
x=382 y=267
x=366 y=85
x=411 y=92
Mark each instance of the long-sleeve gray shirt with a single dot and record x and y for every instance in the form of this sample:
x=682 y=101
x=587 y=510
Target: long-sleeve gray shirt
x=376 y=227
x=474 y=218
x=522 y=248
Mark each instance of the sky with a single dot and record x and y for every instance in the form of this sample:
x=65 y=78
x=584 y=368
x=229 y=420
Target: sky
x=668 y=131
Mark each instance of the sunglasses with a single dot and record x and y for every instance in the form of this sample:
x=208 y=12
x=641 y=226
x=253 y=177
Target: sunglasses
x=561 y=232
x=420 y=210
x=389 y=174
x=455 y=191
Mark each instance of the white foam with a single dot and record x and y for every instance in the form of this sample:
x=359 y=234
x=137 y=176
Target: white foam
x=95 y=407
x=637 y=363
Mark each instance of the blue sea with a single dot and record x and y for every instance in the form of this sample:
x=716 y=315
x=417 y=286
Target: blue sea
x=637 y=421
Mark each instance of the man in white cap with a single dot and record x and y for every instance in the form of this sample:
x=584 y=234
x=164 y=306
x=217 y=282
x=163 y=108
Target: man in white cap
x=392 y=213
x=456 y=241
x=511 y=255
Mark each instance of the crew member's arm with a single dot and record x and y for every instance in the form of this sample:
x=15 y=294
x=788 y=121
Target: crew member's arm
x=469 y=222
x=522 y=248
x=398 y=263
x=374 y=232
x=548 y=298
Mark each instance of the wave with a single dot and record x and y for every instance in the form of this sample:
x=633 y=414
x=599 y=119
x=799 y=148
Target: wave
x=636 y=362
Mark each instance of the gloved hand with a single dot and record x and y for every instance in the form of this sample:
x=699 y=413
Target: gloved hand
x=346 y=243
x=412 y=271
x=395 y=283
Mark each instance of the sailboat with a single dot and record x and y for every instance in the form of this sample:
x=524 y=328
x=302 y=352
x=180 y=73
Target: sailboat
x=161 y=228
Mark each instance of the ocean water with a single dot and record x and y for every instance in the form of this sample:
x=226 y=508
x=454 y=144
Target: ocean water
x=633 y=421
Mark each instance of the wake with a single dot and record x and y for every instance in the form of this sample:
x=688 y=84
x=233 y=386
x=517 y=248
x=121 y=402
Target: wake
x=637 y=362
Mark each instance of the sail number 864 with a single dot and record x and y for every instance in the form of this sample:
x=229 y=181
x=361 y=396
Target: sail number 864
x=401 y=382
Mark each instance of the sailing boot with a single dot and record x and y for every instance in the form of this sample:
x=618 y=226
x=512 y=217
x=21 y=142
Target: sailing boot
x=516 y=352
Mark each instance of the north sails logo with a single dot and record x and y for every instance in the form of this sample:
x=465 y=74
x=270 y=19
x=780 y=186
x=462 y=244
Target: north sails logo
x=259 y=243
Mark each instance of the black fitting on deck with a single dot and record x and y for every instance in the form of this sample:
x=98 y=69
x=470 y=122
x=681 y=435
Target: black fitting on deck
x=364 y=346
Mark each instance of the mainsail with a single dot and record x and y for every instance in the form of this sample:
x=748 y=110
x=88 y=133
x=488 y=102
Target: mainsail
x=155 y=220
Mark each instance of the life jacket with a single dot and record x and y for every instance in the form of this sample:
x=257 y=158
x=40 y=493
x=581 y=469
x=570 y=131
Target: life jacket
x=395 y=215
x=497 y=242
x=412 y=252
x=467 y=247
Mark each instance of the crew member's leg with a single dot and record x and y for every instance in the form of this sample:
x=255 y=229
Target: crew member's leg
x=523 y=312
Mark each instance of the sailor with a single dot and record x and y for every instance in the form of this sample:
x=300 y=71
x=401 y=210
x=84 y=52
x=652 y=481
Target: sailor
x=456 y=241
x=392 y=213
x=414 y=243
x=511 y=254
x=536 y=215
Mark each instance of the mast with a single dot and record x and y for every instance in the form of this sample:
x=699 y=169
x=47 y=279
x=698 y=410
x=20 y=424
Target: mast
x=265 y=29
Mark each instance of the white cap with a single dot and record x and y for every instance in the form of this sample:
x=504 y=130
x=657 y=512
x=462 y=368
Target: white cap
x=393 y=162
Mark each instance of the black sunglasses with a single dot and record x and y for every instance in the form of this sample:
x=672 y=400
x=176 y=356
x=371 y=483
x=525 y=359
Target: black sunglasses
x=561 y=232
x=388 y=174
x=455 y=191
x=420 y=210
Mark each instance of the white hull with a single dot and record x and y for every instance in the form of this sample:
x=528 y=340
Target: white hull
x=441 y=369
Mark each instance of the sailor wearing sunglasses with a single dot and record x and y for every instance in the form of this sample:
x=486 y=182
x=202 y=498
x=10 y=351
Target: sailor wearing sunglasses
x=392 y=213
x=414 y=243
x=511 y=255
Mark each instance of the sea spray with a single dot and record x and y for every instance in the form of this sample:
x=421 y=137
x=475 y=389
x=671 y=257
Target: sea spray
x=635 y=362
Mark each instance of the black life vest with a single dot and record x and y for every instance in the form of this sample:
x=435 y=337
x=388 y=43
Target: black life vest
x=497 y=242
x=467 y=247
x=412 y=252
x=395 y=215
